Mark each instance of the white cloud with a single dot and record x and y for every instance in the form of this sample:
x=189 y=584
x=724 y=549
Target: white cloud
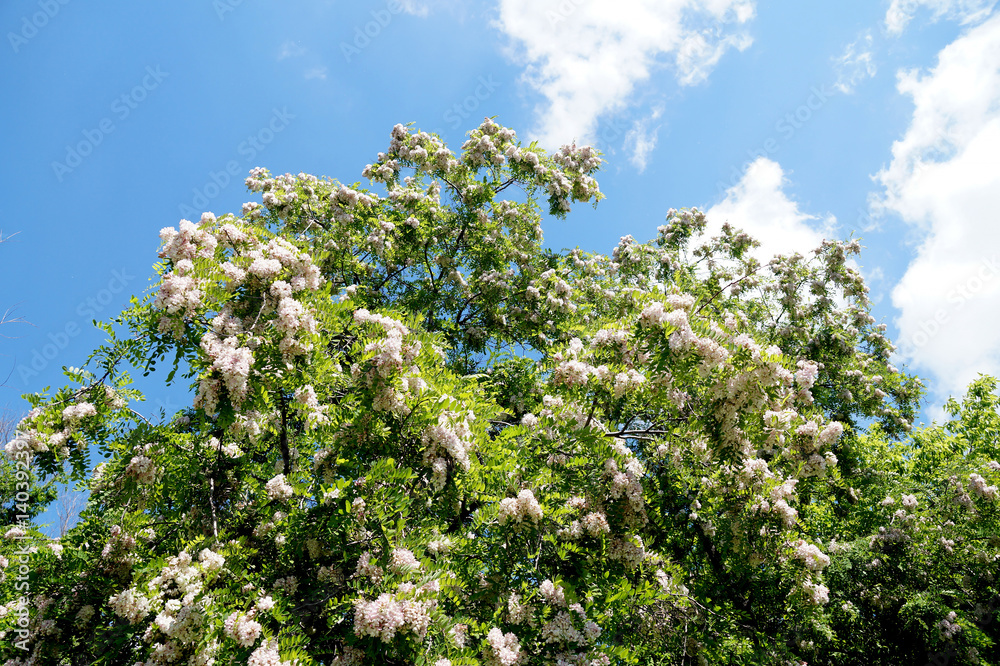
x=290 y=50
x=965 y=11
x=585 y=57
x=415 y=8
x=759 y=206
x=640 y=140
x=855 y=64
x=944 y=180
x=316 y=73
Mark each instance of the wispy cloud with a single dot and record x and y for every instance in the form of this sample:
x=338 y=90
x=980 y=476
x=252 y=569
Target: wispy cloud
x=316 y=73
x=585 y=57
x=855 y=64
x=901 y=12
x=641 y=140
x=290 y=49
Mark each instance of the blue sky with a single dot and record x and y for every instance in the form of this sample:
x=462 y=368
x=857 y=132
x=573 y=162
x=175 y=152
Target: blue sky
x=795 y=120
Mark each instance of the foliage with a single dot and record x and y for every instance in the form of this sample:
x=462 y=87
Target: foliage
x=419 y=437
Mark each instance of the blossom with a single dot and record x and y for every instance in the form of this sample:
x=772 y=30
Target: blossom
x=812 y=556
x=279 y=489
x=816 y=593
x=211 y=560
x=130 y=604
x=403 y=561
x=504 y=649
x=242 y=629
x=520 y=508
x=73 y=414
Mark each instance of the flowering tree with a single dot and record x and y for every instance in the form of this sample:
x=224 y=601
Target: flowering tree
x=416 y=436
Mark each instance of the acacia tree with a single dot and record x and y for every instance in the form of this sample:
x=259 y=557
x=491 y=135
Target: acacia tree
x=417 y=436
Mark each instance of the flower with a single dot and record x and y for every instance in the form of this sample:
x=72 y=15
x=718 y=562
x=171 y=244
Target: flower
x=279 y=489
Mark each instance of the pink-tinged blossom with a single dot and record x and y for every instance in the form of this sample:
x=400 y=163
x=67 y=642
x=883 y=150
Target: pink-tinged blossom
x=15 y=533
x=142 y=469
x=190 y=241
x=523 y=507
x=816 y=593
x=788 y=514
x=504 y=649
x=978 y=485
x=380 y=618
x=267 y=655
x=305 y=399
x=232 y=362
x=552 y=593
x=242 y=629
x=452 y=434
x=807 y=374
x=403 y=561
x=831 y=433
x=627 y=381
x=596 y=524
x=811 y=556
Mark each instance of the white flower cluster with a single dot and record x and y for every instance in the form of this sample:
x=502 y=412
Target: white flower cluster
x=211 y=561
x=368 y=569
x=629 y=381
x=191 y=241
x=654 y=314
x=305 y=399
x=242 y=628
x=73 y=414
x=232 y=362
x=130 y=604
x=229 y=449
x=15 y=533
x=267 y=655
x=178 y=579
x=816 y=593
x=142 y=469
x=552 y=593
x=403 y=561
x=631 y=552
x=978 y=485
x=279 y=489
x=517 y=510
x=628 y=482
x=811 y=555
x=948 y=626
x=451 y=434
x=504 y=649
x=389 y=614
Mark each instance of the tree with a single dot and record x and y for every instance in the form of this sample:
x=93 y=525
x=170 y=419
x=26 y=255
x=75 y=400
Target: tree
x=417 y=436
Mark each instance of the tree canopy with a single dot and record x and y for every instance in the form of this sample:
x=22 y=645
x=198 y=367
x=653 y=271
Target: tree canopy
x=417 y=436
